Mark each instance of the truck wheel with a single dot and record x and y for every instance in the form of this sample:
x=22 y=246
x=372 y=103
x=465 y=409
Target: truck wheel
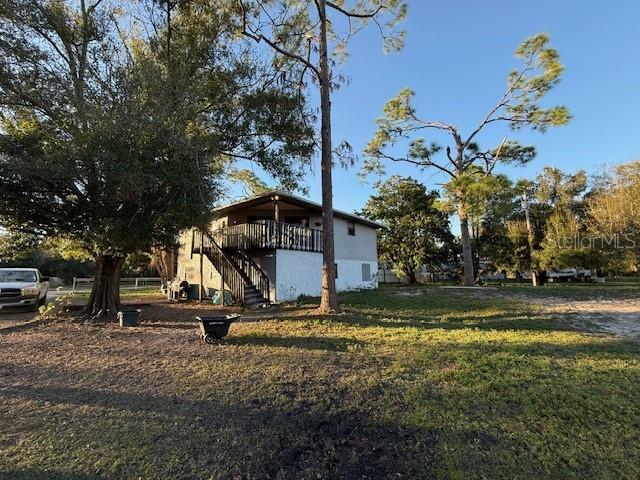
x=43 y=300
x=34 y=307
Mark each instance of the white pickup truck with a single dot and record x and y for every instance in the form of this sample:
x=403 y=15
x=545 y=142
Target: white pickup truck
x=23 y=287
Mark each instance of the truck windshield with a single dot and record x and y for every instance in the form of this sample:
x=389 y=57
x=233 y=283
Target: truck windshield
x=19 y=276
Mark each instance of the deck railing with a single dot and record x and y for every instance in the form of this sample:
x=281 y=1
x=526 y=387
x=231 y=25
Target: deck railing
x=270 y=234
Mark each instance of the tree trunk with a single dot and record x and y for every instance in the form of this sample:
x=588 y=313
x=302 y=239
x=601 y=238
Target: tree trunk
x=165 y=263
x=329 y=299
x=105 y=294
x=534 y=274
x=411 y=277
x=467 y=251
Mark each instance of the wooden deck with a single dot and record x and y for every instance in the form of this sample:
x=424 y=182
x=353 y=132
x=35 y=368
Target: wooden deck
x=268 y=234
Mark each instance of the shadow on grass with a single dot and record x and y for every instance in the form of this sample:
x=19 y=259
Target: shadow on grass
x=36 y=474
x=424 y=320
x=330 y=344
x=244 y=437
x=484 y=322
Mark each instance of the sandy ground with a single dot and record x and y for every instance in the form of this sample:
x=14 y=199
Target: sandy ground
x=617 y=317
x=620 y=317
x=154 y=311
x=13 y=316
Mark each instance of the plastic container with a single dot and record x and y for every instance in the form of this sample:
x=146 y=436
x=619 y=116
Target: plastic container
x=129 y=318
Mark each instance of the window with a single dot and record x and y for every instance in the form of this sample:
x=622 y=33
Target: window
x=336 y=267
x=366 y=272
x=351 y=228
x=296 y=220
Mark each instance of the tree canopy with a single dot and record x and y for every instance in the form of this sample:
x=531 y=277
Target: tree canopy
x=109 y=140
x=417 y=230
x=518 y=107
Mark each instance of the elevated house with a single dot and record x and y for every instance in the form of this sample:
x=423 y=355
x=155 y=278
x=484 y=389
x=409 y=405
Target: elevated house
x=268 y=248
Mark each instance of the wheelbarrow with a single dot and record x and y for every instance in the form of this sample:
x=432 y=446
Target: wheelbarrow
x=214 y=328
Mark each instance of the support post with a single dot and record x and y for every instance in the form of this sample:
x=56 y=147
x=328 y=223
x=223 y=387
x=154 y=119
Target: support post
x=222 y=283
x=201 y=267
x=276 y=209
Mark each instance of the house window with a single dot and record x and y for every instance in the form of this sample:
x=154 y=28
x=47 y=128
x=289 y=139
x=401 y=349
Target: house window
x=351 y=228
x=296 y=220
x=366 y=272
x=336 y=268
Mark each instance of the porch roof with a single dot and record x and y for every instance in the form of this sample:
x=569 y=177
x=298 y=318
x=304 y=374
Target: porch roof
x=269 y=196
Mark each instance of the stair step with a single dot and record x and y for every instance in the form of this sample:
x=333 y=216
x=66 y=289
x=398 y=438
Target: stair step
x=256 y=304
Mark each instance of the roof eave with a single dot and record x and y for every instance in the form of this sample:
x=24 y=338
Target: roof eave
x=266 y=196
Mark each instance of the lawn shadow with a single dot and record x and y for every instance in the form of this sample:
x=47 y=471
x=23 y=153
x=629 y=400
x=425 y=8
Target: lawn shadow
x=37 y=474
x=329 y=344
x=533 y=321
x=246 y=437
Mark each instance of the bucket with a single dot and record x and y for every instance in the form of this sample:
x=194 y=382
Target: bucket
x=129 y=318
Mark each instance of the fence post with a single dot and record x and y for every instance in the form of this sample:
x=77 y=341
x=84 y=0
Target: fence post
x=73 y=288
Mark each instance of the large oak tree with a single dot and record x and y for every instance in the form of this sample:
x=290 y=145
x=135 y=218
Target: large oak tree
x=117 y=135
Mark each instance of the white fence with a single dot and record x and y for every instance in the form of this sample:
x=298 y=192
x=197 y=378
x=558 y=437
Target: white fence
x=126 y=283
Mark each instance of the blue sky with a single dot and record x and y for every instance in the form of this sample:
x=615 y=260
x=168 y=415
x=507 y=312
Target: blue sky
x=457 y=57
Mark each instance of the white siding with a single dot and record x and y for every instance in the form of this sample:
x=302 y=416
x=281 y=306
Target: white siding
x=361 y=246
x=297 y=273
x=300 y=273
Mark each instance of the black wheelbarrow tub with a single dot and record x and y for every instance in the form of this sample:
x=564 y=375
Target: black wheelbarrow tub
x=215 y=327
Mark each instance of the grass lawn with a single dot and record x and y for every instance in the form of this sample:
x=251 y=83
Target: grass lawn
x=580 y=291
x=409 y=383
x=125 y=293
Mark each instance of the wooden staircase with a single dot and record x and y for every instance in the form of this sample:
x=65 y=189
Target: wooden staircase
x=248 y=283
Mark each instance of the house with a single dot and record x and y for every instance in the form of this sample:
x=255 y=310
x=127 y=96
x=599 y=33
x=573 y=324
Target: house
x=268 y=248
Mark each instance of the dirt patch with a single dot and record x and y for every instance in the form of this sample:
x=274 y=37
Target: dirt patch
x=617 y=317
x=410 y=292
x=163 y=312
x=620 y=317
x=14 y=317
x=155 y=312
x=103 y=402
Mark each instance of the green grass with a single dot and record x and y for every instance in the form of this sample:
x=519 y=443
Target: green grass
x=125 y=293
x=440 y=383
x=580 y=291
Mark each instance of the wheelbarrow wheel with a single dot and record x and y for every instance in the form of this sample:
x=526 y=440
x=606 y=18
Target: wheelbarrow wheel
x=209 y=339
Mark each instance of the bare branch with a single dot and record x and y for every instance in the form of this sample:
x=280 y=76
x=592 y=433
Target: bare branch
x=355 y=14
x=501 y=103
x=258 y=37
x=419 y=163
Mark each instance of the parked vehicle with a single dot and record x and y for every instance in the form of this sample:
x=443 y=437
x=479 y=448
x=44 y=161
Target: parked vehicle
x=23 y=287
x=570 y=275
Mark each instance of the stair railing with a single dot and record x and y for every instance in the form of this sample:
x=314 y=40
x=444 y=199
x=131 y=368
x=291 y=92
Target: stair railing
x=233 y=278
x=256 y=275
